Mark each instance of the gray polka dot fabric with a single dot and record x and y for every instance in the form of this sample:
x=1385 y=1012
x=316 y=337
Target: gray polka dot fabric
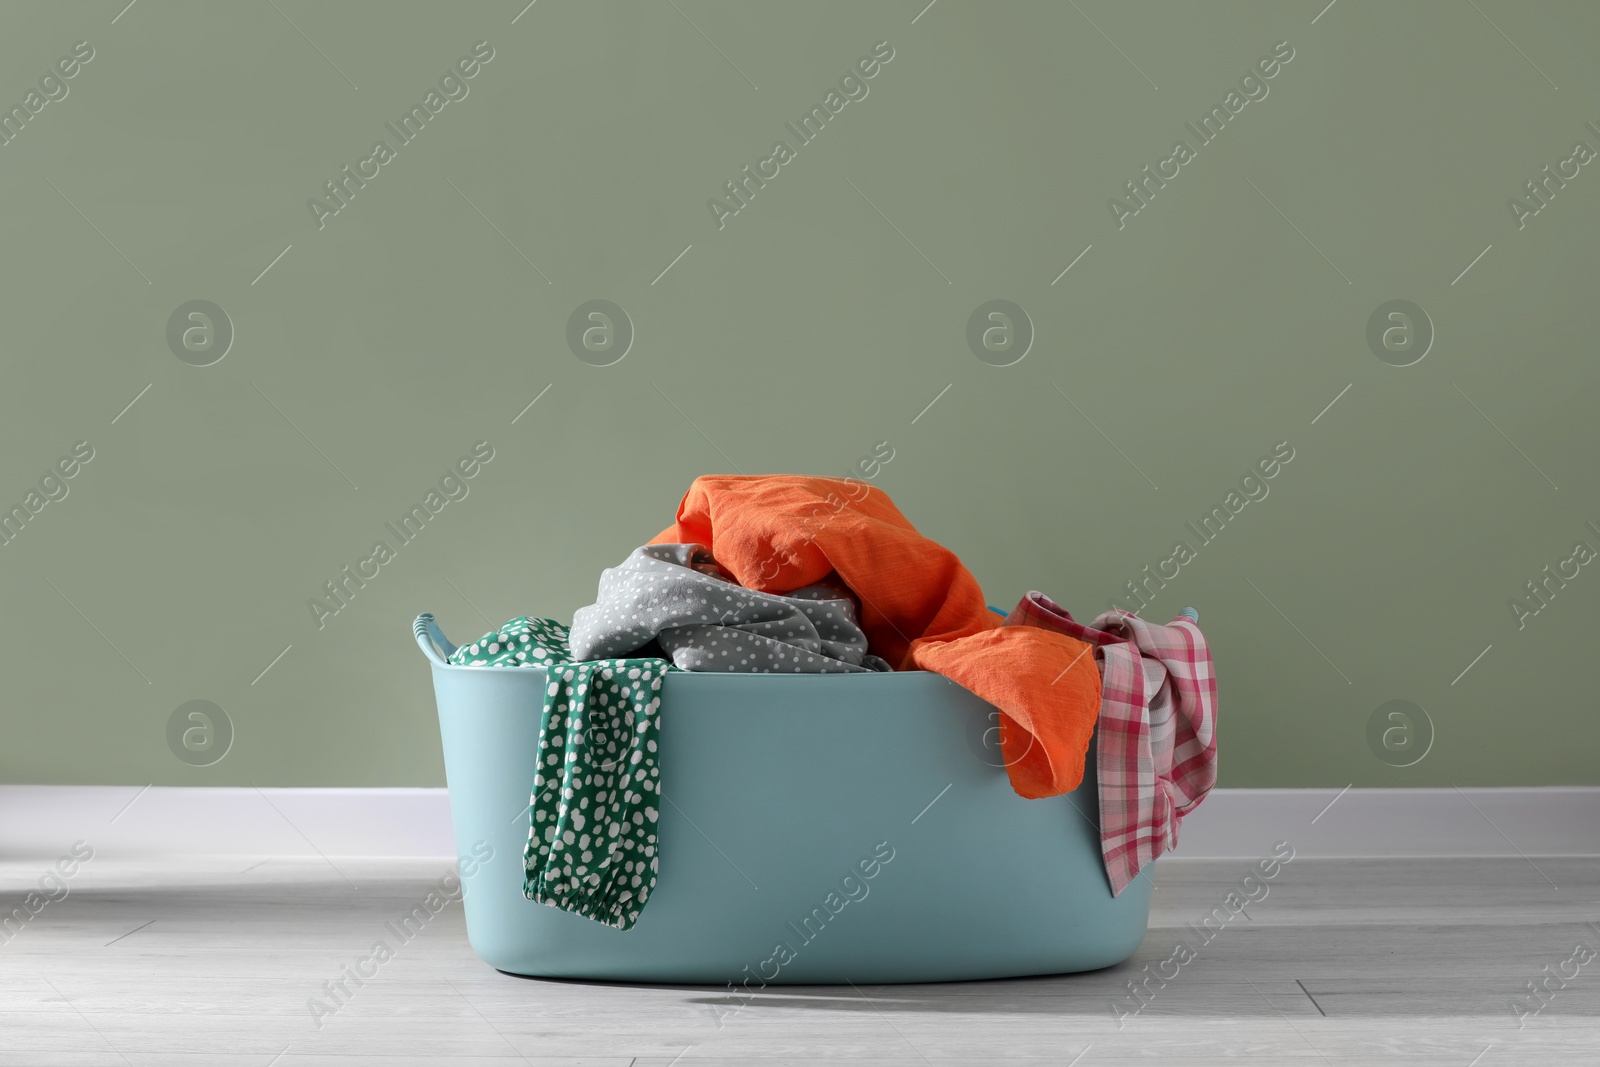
x=678 y=597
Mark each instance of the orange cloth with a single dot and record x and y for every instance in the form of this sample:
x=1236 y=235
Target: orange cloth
x=919 y=606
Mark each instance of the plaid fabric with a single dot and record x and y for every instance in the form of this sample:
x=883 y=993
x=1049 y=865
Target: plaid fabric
x=1157 y=737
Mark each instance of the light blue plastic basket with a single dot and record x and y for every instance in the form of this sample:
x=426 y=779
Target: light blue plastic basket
x=778 y=788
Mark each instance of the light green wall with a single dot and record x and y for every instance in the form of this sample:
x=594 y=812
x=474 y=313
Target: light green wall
x=820 y=320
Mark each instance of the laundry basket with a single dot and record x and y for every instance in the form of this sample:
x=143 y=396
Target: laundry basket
x=814 y=828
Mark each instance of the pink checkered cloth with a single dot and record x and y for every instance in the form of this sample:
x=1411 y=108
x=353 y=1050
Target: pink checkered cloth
x=1157 y=736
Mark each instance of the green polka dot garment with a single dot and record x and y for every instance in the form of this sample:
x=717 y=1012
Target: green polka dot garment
x=592 y=844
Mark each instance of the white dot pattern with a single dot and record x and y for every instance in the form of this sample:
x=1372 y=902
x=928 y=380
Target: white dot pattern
x=678 y=597
x=592 y=839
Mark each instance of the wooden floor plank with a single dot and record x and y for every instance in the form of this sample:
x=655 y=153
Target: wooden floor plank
x=212 y=961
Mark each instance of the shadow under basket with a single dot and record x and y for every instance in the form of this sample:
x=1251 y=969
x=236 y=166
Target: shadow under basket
x=815 y=829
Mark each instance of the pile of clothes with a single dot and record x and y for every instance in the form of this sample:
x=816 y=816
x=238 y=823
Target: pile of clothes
x=795 y=574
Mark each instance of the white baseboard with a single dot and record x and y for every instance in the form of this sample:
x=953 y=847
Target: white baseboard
x=130 y=822
x=152 y=821
x=1557 y=821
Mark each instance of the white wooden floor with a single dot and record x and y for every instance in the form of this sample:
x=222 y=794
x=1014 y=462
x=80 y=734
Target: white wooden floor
x=1346 y=962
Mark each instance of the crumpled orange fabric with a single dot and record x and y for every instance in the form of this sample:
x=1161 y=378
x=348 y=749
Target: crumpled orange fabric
x=920 y=608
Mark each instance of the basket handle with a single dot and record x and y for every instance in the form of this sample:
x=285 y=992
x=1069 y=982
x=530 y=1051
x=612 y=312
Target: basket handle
x=432 y=640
